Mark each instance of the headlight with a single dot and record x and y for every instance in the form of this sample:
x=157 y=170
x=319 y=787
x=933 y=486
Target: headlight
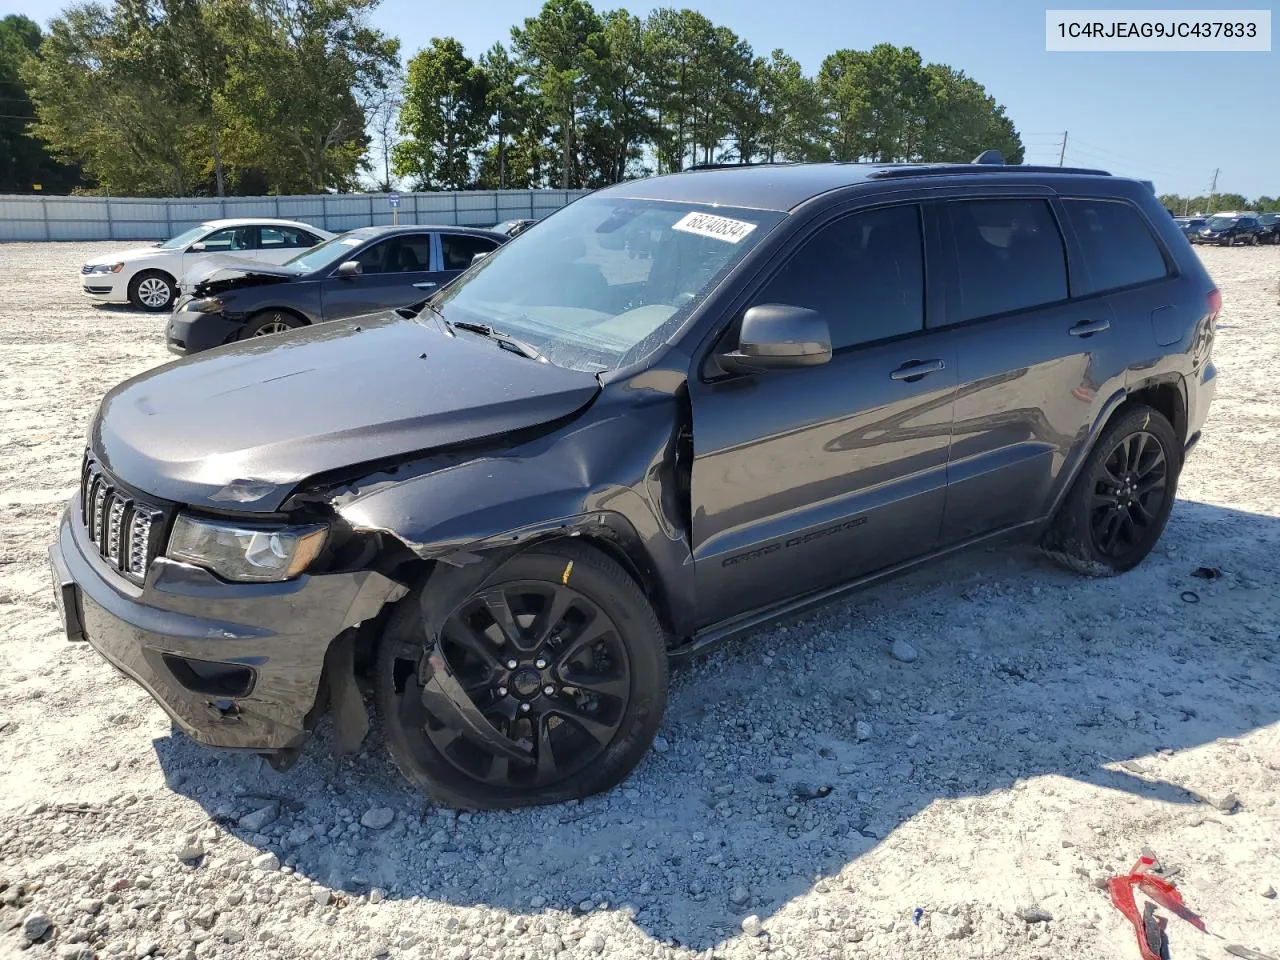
x=205 y=305
x=106 y=268
x=245 y=552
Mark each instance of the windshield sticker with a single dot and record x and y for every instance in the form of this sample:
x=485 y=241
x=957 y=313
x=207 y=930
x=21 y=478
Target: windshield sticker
x=717 y=228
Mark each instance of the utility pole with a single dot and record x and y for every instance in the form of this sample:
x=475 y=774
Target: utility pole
x=1062 y=154
x=1213 y=189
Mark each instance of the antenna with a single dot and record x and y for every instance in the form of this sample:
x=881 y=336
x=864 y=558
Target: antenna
x=990 y=156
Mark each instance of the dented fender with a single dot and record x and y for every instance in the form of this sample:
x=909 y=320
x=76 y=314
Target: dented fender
x=617 y=483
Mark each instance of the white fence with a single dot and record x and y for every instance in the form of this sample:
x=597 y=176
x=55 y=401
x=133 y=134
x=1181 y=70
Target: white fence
x=124 y=218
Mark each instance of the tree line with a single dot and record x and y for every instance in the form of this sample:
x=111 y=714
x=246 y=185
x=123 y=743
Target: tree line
x=215 y=97
x=1184 y=206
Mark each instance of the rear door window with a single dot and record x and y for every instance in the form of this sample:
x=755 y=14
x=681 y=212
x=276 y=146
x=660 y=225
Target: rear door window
x=1118 y=247
x=864 y=274
x=459 y=249
x=1009 y=254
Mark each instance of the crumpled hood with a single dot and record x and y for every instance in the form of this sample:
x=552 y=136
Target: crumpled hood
x=228 y=273
x=268 y=413
x=225 y=272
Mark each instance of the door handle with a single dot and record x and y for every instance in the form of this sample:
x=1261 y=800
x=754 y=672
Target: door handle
x=914 y=370
x=1087 y=328
x=426 y=284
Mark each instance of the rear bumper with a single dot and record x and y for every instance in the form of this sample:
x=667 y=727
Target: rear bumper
x=234 y=665
x=1202 y=388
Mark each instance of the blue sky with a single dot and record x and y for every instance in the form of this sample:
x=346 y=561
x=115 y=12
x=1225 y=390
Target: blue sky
x=1168 y=117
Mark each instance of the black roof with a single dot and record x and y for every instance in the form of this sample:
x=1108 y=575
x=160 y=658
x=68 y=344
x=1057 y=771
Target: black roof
x=784 y=186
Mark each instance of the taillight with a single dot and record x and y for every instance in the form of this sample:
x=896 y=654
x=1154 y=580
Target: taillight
x=1215 y=304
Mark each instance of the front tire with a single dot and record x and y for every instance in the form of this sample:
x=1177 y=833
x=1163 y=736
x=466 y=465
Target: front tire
x=268 y=323
x=541 y=681
x=1120 y=501
x=152 y=290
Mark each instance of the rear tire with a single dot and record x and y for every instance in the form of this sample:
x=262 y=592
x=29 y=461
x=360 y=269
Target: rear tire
x=152 y=290
x=1120 y=501
x=574 y=715
x=270 y=322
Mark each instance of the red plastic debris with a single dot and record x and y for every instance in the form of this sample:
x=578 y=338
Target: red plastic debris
x=1148 y=929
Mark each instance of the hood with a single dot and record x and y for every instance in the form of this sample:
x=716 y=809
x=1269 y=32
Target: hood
x=229 y=266
x=267 y=414
x=133 y=253
x=228 y=273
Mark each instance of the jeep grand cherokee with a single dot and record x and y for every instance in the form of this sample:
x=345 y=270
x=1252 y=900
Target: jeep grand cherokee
x=676 y=409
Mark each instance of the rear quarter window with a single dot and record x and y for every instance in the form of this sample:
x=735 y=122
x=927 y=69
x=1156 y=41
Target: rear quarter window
x=1118 y=246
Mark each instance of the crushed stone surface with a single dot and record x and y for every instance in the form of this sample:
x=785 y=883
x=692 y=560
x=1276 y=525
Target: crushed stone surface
x=947 y=764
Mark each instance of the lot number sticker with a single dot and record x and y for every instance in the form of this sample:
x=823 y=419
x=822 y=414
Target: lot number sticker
x=717 y=228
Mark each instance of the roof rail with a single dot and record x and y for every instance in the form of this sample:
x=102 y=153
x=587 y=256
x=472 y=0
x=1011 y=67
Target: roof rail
x=735 y=166
x=965 y=169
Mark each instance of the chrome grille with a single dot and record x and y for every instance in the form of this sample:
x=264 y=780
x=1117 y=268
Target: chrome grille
x=124 y=529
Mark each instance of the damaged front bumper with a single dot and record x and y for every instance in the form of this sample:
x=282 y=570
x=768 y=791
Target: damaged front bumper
x=235 y=665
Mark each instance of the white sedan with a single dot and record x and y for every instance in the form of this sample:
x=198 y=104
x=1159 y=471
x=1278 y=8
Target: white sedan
x=149 y=277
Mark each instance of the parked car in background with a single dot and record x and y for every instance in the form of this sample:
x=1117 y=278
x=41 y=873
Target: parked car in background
x=1190 y=226
x=574 y=464
x=1270 y=227
x=1227 y=230
x=513 y=227
x=361 y=271
x=149 y=277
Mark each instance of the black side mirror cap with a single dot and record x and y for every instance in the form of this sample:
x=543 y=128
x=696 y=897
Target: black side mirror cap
x=777 y=336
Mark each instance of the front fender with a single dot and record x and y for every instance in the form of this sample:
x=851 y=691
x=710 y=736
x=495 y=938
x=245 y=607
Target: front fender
x=608 y=481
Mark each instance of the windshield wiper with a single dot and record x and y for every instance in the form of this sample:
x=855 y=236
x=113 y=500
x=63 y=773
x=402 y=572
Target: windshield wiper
x=515 y=345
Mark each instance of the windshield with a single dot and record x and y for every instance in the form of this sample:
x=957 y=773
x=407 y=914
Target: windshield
x=1267 y=219
x=1218 y=223
x=330 y=253
x=182 y=239
x=604 y=282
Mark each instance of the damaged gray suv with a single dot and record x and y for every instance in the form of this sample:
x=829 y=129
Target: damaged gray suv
x=671 y=411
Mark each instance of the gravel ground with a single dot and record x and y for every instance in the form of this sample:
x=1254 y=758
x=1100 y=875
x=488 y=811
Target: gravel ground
x=946 y=765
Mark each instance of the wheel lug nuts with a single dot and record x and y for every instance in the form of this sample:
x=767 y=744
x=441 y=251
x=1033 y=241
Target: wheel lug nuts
x=524 y=708
x=549 y=690
x=540 y=663
x=512 y=664
x=502 y=691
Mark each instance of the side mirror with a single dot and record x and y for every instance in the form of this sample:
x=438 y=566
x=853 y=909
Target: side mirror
x=776 y=336
x=480 y=256
x=197 y=247
x=349 y=268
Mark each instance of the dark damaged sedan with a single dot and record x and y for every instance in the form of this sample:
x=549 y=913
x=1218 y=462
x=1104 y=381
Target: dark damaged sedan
x=368 y=270
x=677 y=408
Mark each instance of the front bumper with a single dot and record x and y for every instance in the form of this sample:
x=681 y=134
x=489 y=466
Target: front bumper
x=234 y=665
x=108 y=287
x=190 y=332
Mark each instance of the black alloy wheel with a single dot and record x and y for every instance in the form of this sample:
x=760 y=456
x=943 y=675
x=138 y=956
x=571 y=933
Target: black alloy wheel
x=1120 y=500
x=545 y=682
x=1128 y=494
